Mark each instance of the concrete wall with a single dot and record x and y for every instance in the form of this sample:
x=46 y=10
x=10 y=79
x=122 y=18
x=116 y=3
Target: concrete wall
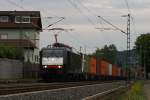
x=10 y=69
x=31 y=70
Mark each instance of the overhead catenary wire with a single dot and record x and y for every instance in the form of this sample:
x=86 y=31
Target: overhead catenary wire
x=15 y=4
x=127 y=4
x=92 y=13
x=19 y=6
x=24 y=9
x=132 y=18
x=117 y=28
x=134 y=27
x=86 y=8
x=61 y=18
x=75 y=4
x=81 y=12
x=100 y=16
x=96 y=15
x=77 y=40
x=89 y=10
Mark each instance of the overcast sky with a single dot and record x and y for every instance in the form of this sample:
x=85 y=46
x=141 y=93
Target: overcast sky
x=81 y=16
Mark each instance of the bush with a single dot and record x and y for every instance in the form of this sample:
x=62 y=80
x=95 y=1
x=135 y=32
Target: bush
x=11 y=53
x=136 y=92
x=2 y=52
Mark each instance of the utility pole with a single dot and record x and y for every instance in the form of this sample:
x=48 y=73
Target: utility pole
x=128 y=34
x=128 y=46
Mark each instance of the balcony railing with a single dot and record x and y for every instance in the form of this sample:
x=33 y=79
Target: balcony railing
x=24 y=43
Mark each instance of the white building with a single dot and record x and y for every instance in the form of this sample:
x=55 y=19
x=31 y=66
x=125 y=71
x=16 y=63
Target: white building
x=21 y=29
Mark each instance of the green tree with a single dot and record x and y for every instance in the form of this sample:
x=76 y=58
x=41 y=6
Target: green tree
x=108 y=52
x=142 y=46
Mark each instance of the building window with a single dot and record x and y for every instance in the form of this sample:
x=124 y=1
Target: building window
x=4 y=18
x=22 y=19
x=36 y=58
x=3 y=36
x=32 y=57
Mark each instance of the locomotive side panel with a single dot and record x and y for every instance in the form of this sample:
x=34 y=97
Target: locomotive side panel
x=74 y=63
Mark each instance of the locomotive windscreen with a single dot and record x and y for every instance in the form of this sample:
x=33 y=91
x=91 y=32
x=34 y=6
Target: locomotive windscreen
x=52 y=57
x=52 y=53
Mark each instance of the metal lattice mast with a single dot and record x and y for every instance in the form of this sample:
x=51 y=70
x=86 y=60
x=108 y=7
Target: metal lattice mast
x=128 y=40
x=128 y=35
x=128 y=44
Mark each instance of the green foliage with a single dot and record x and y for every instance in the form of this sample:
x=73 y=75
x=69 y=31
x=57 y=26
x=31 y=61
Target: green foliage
x=142 y=46
x=107 y=52
x=11 y=53
x=135 y=93
x=2 y=52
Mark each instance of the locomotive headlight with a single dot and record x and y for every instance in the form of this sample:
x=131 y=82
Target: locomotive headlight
x=45 y=66
x=59 y=66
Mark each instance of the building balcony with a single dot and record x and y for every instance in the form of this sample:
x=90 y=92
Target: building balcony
x=22 y=43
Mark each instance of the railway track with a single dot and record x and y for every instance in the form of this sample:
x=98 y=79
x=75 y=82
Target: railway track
x=111 y=94
x=14 y=89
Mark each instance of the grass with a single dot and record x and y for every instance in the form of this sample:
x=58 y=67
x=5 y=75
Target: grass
x=135 y=92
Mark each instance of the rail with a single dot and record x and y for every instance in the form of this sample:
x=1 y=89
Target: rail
x=108 y=94
x=44 y=86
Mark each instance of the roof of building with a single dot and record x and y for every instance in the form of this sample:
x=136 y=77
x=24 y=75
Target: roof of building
x=35 y=20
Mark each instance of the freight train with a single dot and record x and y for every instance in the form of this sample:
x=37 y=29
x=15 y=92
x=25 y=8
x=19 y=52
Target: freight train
x=59 y=61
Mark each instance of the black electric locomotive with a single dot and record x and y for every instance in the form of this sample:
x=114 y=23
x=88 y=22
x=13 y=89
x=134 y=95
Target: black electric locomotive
x=59 y=61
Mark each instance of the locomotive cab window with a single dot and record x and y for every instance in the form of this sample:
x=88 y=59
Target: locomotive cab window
x=52 y=57
x=53 y=53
